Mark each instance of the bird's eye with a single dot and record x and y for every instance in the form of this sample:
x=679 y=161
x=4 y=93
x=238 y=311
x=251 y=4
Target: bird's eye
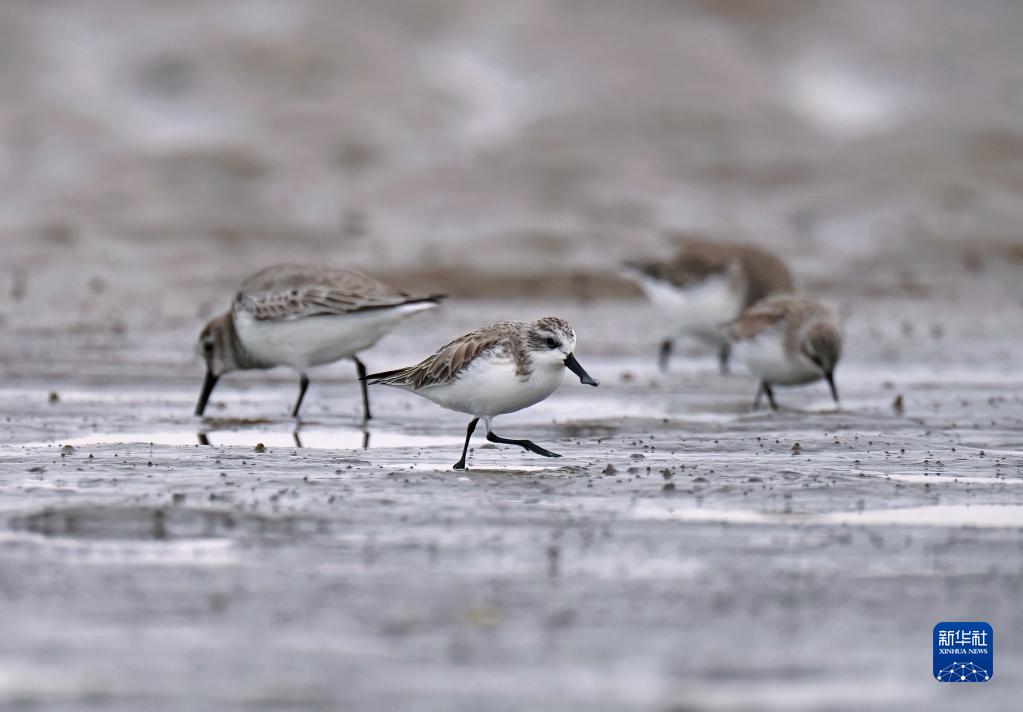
x=207 y=347
x=551 y=342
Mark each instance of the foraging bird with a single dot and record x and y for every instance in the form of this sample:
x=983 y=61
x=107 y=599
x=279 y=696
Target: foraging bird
x=495 y=370
x=302 y=316
x=786 y=340
x=706 y=285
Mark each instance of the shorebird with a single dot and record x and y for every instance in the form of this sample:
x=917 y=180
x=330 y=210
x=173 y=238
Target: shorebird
x=786 y=340
x=706 y=285
x=302 y=316
x=501 y=368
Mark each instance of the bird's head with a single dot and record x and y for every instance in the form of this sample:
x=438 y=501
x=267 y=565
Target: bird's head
x=551 y=342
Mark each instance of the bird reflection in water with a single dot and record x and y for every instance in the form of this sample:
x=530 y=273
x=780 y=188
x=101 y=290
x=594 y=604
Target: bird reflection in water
x=203 y=438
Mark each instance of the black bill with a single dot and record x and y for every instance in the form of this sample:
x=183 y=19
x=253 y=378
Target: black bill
x=575 y=368
x=207 y=389
x=831 y=382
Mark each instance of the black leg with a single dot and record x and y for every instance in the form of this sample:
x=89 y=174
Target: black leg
x=527 y=444
x=360 y=368
x=207 y=388
x=664 y=354
x=724 y=354
x=296 y=438
x=460 y=465
x=303 y=384
x=830 y=377
x=769 y=392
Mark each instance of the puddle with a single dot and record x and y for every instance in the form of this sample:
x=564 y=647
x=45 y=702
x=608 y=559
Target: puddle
x=156 y=524
x=317 y=438
x=478 y=470
x=956 y=479
x=188 y=552
x=722 y=516
x=946 y=478
x=943 y=515
x=939 y=515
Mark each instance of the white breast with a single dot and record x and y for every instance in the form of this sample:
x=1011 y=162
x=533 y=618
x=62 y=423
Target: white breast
x=491 y=387
x=765 y=357
x=698 y=310
x=314 y=340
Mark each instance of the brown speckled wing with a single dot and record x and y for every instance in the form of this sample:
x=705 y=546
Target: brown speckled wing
x=297 y=291
x=759 y=317
x=695 y=261
x=765 y=274
x=445 y=365
x=698 y=259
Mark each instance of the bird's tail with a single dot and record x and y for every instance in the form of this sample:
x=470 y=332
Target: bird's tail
x=435 y=298
x=422 y=302
x=397 y=377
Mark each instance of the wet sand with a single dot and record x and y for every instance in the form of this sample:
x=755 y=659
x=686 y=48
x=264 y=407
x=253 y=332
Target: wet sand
x=683 y=554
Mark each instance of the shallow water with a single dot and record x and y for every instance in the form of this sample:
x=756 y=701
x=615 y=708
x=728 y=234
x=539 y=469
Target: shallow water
x=378 y=573
x=945 y=515
x=283 y=436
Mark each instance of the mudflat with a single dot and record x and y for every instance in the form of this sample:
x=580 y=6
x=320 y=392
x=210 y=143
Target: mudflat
x=684 y=553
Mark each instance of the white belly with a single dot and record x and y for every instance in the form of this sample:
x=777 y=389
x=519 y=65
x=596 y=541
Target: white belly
x=491 y=387
x=699 y=310
x=315 y=340
x=765 y=357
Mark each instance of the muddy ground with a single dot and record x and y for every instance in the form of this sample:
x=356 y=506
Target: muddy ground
x=683 y=554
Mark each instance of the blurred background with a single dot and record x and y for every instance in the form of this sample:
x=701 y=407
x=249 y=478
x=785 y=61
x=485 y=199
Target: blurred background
x=494 y=148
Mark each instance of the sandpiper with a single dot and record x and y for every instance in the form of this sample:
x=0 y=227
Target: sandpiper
x=706 y=285
x=302 y=316
x=495 y=370
x=786 y=340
